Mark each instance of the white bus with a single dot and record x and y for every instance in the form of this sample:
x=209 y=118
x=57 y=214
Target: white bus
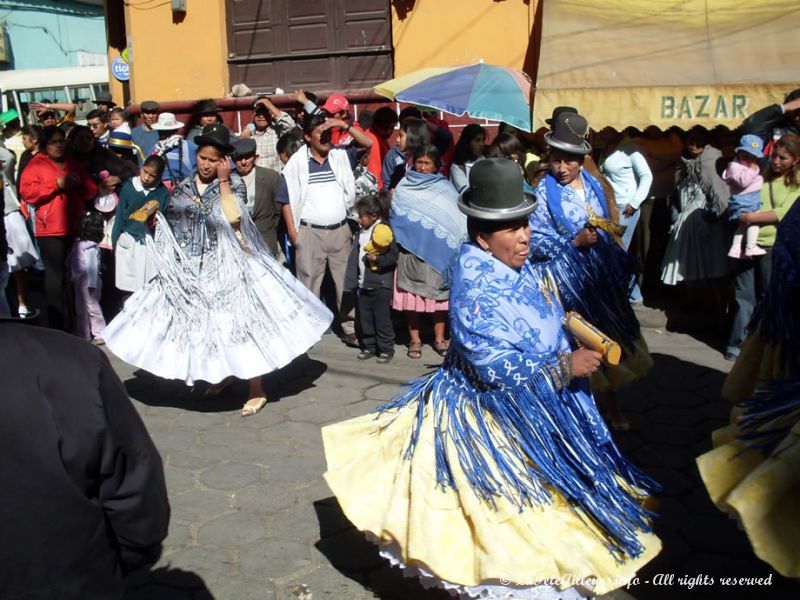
x=20 y=87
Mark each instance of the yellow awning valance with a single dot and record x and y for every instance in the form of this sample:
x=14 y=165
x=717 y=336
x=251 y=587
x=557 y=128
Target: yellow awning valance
x=666 y=62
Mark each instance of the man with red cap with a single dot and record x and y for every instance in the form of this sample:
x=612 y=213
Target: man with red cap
x=338 y=107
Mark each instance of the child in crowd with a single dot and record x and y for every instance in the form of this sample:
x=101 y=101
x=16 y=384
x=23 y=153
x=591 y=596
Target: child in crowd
x=365 y=180
x=743 y=176
x=84 y=264
x=116 y=118
x=370 y=271
x=107 y=205
x=132 y=267
x=289 y=143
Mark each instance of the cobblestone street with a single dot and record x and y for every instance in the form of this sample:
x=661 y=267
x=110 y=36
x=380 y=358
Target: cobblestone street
x=252 y=517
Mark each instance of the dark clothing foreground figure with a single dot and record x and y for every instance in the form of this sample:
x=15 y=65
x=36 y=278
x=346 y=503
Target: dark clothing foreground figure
x=84 y=499
x=266 y=212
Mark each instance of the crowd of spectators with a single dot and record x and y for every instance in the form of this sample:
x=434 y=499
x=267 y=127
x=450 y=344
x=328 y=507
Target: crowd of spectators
x=709 y=231
x=333 y=196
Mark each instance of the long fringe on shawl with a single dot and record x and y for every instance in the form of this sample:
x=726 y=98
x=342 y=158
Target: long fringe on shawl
x=596 y=283
x=181 y=280
x=523 y=443
x=768 y=417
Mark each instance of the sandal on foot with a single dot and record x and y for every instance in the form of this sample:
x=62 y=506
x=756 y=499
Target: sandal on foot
x=248 y=410
x=441 y=347
x=414 y=350
x=217 y=388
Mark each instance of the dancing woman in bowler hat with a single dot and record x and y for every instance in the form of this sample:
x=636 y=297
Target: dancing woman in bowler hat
x=573 y=212
x=220 y=305
x=494 y=476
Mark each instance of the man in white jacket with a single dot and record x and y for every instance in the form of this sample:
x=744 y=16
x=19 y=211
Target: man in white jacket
x=317 y=192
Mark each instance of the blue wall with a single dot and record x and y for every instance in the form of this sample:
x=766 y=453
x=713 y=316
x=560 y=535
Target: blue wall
x=47 y=34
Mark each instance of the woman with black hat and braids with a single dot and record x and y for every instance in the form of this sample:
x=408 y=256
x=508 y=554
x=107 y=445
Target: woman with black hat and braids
x=220 y=306
x=573 y=212
x=494 y=476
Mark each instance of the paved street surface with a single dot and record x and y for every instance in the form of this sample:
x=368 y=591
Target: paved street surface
x=253 y=519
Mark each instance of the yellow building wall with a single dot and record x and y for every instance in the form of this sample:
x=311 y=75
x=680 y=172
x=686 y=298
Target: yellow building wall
x=177 y=56
x=186 y=58
x=439 y=33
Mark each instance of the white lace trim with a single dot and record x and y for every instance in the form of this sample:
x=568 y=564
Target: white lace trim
x=492 y=590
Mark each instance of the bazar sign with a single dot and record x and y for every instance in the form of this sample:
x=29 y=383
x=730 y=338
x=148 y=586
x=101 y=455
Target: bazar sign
x=710 y=106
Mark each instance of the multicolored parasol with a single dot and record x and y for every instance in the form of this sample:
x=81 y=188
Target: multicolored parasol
x=482 y=91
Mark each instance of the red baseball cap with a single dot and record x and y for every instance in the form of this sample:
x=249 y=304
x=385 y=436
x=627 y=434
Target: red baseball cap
x=336 y=103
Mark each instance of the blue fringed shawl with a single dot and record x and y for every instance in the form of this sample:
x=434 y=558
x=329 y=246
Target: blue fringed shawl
x=496 y=401
x=606 y=271
x=426 y=220
x=554 y=189
x=769 y=416
x=778 y=316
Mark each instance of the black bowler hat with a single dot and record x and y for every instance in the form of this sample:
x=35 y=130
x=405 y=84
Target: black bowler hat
x=150 y=106
x=559 y=110
x=495 y=192
x=216 y=135
x=104 y=98
x=569 y=134
x=206 y=107
x=243 y=147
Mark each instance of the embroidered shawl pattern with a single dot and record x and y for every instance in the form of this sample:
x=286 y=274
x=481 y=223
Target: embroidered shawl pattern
x=515 y=433
x=608 y=270
x=426 y=220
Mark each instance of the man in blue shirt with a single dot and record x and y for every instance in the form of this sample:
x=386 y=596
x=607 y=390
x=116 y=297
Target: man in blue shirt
x=144 y=136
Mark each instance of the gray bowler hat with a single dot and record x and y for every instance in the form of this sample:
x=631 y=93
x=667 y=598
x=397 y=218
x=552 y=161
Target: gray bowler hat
x=495 y=192
x=569 y=134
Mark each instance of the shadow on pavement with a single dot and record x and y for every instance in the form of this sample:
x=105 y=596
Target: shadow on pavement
x=673 y=412
x=293 y=379
x=353 y=556
x=165 y=583
x=710 y=325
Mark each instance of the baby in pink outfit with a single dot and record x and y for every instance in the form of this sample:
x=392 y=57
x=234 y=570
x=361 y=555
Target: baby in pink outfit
x=743 y=176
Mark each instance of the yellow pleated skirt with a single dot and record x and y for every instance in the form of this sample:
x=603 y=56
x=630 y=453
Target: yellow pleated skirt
x=758 y=364
x=451 y=533
x=762 y=493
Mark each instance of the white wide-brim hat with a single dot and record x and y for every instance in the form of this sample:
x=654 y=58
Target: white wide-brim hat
x=167 y=122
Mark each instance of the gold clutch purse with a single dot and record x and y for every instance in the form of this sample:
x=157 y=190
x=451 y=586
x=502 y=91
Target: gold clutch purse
x=147 y=210
x=591 y=337
x=607 y=225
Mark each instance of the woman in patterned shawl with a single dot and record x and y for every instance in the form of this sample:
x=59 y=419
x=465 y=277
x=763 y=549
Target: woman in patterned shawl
x=495 y=476
x=573 y=212
x=220 y=305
